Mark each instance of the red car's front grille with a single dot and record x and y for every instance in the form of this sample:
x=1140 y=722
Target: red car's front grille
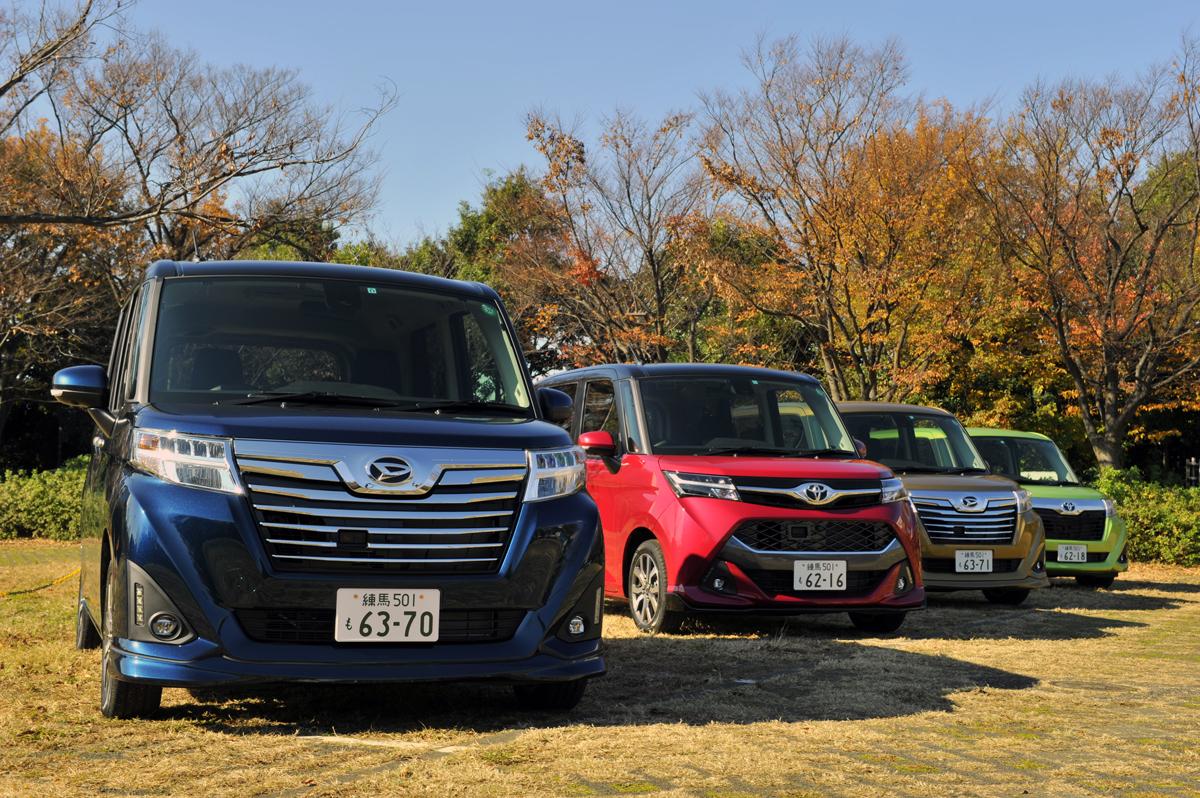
x=788 y=535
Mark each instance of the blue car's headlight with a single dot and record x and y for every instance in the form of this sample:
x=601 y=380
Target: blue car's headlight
x=554 y=473
x=198 y=461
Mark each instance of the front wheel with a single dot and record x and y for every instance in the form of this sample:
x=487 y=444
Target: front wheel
x=877 y=622
x=646 y=586
x=1010 y=596
x=550 y=697
x=1100 y=581
x=120 y=699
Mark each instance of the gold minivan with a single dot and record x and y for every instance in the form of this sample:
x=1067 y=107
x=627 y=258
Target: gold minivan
x=980 y=531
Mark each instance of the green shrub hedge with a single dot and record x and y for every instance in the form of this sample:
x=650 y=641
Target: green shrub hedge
x=42 y=504
x=1163 y=521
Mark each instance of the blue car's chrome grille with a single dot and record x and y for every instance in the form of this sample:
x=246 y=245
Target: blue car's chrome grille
x=310 y=520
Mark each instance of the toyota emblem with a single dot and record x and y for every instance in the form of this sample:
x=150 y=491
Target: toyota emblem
x=1068 y=508
x=815 y=492
x=389 y=471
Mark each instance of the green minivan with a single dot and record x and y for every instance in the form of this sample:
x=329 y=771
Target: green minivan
x=1085 y=538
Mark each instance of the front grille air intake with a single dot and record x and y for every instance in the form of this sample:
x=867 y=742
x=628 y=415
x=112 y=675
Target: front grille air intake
x=787 y=535
x=1088 y=525
x=995 y=524
x=309 y=520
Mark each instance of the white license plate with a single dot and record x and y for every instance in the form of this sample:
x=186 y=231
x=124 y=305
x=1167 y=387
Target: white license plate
x=1072 y=553
x=819 y=575
x=973 y=561
x=387 y=616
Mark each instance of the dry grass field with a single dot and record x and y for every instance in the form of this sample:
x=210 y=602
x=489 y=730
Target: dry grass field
x=1078 y=693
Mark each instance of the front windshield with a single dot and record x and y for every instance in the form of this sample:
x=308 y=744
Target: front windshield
x=916 y=442
x=1028 y=460
x=740 y=415
x=222 y=339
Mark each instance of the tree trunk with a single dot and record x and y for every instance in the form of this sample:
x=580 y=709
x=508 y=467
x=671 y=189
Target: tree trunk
x=1108 y=449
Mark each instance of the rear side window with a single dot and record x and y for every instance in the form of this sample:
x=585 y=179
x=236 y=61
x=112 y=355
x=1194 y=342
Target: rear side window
x=600 y=409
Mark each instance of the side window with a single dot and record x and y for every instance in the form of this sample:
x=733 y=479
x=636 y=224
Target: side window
x=136 y=337
x=570 y=389
x=633 y=431
x=116 y=363
x=600 y=409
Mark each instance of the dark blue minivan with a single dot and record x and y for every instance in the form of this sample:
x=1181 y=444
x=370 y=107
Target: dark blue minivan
x=323 y=473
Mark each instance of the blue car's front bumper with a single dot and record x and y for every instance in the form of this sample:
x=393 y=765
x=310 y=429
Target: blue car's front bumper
x=203 y=552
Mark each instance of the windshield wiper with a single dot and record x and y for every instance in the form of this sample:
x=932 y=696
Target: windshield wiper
x=453 y=406
x=919 y=469
x=825 y=453
x=763 y=450
x=316 y=398
x=965 y=470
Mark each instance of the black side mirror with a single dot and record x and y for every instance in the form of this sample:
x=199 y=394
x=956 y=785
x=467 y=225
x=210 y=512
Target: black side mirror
x=81 y=386
x=556 y=405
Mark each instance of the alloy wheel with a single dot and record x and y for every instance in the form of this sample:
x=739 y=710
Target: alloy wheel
x=645 y=588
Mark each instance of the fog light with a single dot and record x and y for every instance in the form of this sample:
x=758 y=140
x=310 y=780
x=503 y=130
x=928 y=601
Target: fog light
x=576 y=626
x=1040 y=564
x=165 y=626
x=719 y=583
x=904 y=580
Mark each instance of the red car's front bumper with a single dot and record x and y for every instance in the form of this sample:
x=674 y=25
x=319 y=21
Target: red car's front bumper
x=706 y=544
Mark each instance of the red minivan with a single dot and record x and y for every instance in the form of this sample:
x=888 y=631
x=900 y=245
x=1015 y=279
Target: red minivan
x=732 y=489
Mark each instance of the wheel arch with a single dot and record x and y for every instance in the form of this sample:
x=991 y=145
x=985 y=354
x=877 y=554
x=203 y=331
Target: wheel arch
x=636 y=538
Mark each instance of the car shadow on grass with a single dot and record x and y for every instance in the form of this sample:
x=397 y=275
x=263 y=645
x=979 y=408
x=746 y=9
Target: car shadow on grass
x=689 y=679
x=962 y=615
x=1164 y=587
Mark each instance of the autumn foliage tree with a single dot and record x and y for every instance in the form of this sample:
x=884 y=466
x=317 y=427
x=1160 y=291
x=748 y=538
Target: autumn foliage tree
x=1093 y=198
x=615 y=280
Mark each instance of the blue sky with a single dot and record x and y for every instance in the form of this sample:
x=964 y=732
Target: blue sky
x=468 y=72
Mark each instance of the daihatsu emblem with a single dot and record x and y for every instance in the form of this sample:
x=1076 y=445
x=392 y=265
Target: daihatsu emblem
x=969 y=502
x=1068 y=508
x=389 y=471
x=815 y=492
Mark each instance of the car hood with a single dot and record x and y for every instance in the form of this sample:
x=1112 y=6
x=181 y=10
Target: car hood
x=1061 y=491
x=345 y=425
x=958 y=483
x=801 y=468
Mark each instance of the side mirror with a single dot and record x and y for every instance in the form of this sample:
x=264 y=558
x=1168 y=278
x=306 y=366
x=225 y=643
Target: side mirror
x=599 y=443
x=556 y=405
x=81 y=386
x=860 y=447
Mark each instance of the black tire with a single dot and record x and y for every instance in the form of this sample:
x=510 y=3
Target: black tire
x=646 y=587
x=878 y=622
x=1009 y=596
x=551 y=696
x=1098 y=581
x=120 y=699
x=86 y=635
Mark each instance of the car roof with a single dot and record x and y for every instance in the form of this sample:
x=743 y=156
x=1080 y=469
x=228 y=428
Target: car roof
x=889 y=407
x=621 y=371
x=311 y=270
x=992 y=432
